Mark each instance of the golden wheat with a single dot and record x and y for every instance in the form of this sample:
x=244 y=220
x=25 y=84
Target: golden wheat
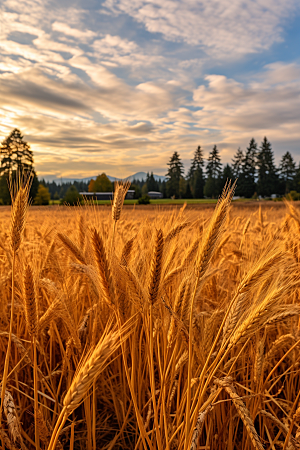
x=205 y=295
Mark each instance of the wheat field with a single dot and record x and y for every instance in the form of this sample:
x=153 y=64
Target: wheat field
x=149 y=329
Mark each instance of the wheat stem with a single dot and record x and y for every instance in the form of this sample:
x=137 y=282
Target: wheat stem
x=7 y=356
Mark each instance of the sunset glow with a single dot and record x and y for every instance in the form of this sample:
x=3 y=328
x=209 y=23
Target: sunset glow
x=118 y=85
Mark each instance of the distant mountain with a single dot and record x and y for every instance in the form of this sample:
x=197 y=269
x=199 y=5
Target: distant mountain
x=135 y=176
x=143 y=176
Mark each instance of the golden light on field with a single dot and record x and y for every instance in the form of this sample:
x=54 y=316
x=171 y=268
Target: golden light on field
x=174 y=328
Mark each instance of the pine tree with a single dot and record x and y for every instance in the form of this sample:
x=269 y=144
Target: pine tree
x=227 y=174
x=16 y=154
x=297 y=179
x=196 y=176
x=16 y=160
x=214 y=174
x=174 y=174
x=287 y=172
x=237 y=163
x=152 y=184
x=246 y=182
x=267 y=183
x=188 y=192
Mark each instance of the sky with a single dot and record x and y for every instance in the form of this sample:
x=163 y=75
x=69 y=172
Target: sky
x=117 y=86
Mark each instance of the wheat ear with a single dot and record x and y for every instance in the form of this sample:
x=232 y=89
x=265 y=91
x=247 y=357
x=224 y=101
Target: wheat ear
x=199 y=426
x=121 y=189
x=127 y=252
x=20 y=347
x=20 y=203
x=11 y=417
x=30 y=306
x=7 y=442
x=256 y=275
x=227 y=384
x=89 y=369
x=277 y=345
x=72 y=247
x=102 y=264
x=156 y=267
x=31 y=317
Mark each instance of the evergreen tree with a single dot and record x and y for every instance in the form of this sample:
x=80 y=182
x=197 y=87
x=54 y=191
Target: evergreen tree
x=297 y=179
x=287 y=172
x=267 y=183
x=237 y=163
x=188 y=192
x=174 y=175
x=196 y=176
x=152 y=184
x=16 y=159
x=16 y=154
x=137 y=190
x=213 y=183
x=227 y=174
x=237 y=166
x=182 y=187
x=163 y=188
x=246 y=182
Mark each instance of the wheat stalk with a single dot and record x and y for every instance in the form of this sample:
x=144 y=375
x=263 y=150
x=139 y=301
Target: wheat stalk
x=20 y=202
x=90 y=368
x=204 y=256
x=31 y=316
x=227 y=384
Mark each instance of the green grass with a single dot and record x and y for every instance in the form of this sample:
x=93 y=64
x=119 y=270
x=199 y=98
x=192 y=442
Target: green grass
x=181 y=201
x=163 y=201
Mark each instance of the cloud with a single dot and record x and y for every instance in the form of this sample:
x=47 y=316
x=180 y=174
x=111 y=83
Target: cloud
x=91 y=94
x=64 y=28
x=267 y=105
x=224 y=28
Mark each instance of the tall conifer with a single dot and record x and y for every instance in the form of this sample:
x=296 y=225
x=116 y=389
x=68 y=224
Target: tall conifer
x=213 y=185
x=267 y=183
x=196 y=175
x=174 y=175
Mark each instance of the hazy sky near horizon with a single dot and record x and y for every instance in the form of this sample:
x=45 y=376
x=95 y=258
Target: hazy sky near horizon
x=119 y=85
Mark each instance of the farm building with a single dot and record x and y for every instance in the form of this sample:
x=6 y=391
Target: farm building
x=106 y=195
x=154 y=194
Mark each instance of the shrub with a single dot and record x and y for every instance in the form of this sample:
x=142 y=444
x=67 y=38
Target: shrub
x=72 y=197
x=145 y=200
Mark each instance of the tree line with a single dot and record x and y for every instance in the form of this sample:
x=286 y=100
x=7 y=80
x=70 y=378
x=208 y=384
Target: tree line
x=254 y=168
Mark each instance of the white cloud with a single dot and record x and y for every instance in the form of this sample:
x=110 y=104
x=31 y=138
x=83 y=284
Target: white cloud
x=224 y=28
x=74 y=32
x=267 y=105
x=89 y=99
